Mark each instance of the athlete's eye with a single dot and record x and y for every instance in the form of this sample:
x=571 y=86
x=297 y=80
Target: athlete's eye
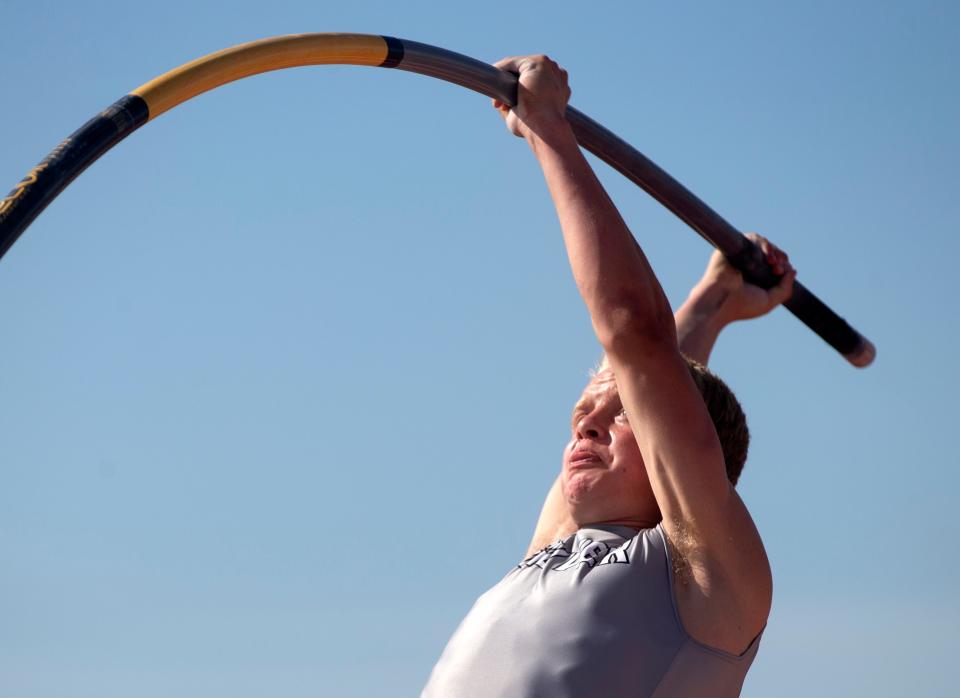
x=578 y=413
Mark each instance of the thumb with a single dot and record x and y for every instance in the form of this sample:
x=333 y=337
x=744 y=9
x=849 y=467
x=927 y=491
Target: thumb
x=511 y=64
x=783 y=290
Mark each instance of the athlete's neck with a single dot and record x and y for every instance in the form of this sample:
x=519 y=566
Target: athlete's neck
x=636 y=523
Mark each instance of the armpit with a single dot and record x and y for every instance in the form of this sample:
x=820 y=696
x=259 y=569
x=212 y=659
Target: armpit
x=683 y=553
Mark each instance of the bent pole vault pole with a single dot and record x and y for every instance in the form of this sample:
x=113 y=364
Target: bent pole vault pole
x=45 y=181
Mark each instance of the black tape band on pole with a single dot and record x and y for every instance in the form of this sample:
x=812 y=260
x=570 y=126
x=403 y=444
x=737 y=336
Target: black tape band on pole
x=67 y=161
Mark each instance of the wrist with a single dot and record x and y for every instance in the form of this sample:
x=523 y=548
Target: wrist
x=548 y=129
x=699 y=323
x=707 y=305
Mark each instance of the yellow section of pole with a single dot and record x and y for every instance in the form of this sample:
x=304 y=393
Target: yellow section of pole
x=196 y=77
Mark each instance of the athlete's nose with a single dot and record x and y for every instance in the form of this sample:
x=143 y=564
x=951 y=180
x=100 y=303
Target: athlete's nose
x=591 y=427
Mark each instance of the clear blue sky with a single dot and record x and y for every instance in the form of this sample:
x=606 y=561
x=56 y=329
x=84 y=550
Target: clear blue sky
x=287 y=373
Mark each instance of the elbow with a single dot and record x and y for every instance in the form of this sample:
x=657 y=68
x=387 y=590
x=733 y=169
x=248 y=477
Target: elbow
x=623 y=330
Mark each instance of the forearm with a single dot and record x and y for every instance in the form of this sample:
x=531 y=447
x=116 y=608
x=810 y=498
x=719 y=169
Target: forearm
x=699 y=321
x=610 y=270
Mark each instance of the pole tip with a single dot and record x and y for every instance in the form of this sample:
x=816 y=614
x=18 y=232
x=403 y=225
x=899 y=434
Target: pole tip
x=863 y=355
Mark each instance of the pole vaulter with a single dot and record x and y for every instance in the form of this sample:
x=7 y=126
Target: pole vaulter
x=45 y=181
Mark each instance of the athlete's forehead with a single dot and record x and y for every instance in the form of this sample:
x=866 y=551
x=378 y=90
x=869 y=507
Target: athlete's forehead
x=602 y=386
x=602 y=380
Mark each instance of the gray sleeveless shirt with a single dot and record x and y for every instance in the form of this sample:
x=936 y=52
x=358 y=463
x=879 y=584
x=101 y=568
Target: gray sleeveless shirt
x=592 y=615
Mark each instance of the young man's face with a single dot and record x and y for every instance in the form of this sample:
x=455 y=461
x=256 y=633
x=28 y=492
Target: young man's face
x=604 y=479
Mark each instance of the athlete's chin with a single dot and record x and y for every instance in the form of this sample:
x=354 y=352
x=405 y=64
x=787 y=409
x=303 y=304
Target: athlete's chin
x=584 y=493
x=578 y=485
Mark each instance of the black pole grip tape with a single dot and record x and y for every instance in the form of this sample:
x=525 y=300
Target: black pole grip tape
x=65 y=163
x=809 y=309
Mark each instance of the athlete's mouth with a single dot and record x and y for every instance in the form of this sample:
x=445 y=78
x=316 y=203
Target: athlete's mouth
x=584 y=458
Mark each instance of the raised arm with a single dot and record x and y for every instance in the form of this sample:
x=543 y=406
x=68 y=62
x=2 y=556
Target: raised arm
x=705 y=521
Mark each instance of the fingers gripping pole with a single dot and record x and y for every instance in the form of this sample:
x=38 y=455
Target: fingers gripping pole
x=69 y=159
